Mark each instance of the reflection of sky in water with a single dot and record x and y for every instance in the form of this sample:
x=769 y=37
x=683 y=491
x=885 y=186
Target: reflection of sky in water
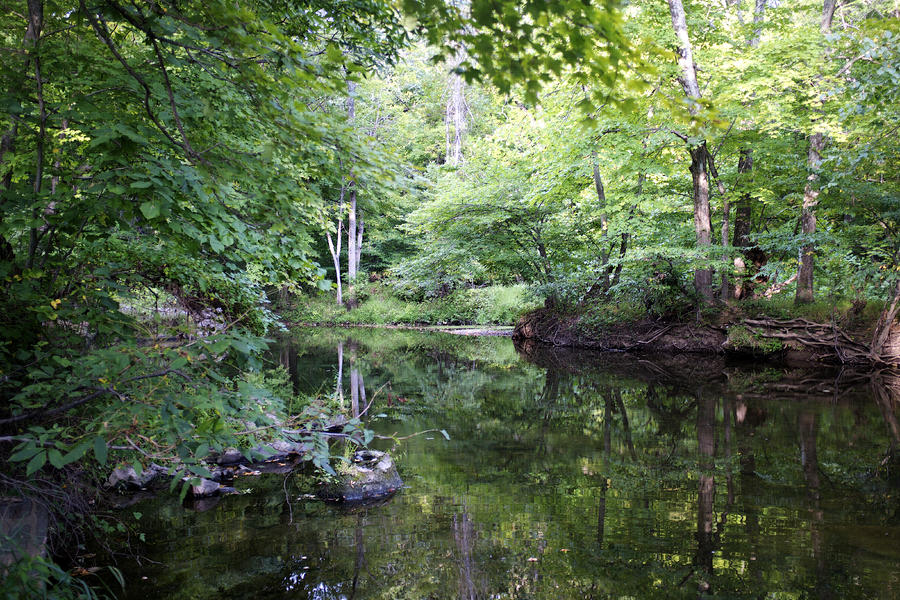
x=294 y=579
x=567 y=483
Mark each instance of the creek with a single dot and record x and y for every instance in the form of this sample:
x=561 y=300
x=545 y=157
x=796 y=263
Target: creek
x=566 y=475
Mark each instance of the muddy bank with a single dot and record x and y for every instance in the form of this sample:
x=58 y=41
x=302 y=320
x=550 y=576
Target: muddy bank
x=551 y=328
x=793 y=341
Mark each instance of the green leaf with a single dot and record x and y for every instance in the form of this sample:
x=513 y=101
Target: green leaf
x=56 y=458
x=150 y=210
x=100 y=450
x=76 y=453
x=202 y=450
x=36 y=463
x=25 y=453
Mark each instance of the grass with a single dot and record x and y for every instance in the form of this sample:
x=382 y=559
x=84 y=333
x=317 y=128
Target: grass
x=377 y=305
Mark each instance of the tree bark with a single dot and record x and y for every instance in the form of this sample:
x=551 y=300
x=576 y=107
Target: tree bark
x=805 y=280
x=360 y=226
x=351 y=237
x=702 y=222
x=335 y=248
x=884 y=326
x=726 y=216
x=759 y=11
x=33 y=35
x=351 y=217
x=604 y=223
x=455 y=115
x=699 y=174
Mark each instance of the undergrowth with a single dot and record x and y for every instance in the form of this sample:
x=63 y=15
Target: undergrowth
x=376 y=304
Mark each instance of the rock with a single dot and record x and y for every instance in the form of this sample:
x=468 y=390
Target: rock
x=127 y=477
x=205 y=488
x=232 y=456
x=283 y=447
x=370 y=476
x=279 y=449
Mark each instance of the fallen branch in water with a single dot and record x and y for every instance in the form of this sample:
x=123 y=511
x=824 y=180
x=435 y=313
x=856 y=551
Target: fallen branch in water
x=412 y=435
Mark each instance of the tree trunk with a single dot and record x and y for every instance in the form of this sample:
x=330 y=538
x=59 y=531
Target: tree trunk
x=805 y=280
x=759 y=11
x=702 y=222
x=351 y=238
x=351 y=217
x=335 y=248
x=455 y=116
x=808 y=221
x=626 y=236
x=884 y=327
x=688 y=80
x=360 y=226
x=742 y=219
x=743 y=211
x=726 y=215
x=603 y=280
x=33 y=35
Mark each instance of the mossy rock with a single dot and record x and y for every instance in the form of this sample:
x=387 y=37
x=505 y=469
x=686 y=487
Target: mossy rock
x=370 y=476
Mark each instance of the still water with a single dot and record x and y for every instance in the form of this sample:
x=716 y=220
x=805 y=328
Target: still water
x=566 y=475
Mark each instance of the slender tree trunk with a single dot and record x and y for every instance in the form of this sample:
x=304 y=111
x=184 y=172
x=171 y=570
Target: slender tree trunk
x=726 y=210
x=726 y=216
x=33 y=35
x=351 y=238
x=702 y=224
x=351 y=217
x=808 y=221
x=604 y=223
x=759 y=11
x=626 y=236
x=334 y=246
x=805 y=281
x=702 y=221
x=7 y=143
x=455 y=116
x=601 y=192
x=743 y=211
x=360 y=226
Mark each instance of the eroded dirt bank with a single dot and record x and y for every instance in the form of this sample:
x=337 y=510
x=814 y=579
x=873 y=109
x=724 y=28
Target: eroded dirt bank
x=796 y=341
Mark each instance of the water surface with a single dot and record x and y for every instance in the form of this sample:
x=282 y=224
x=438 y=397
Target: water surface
x=566 y=475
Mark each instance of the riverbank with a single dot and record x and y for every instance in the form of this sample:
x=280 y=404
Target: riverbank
x=795 y=340
x=377 y=304
x=492 y=330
